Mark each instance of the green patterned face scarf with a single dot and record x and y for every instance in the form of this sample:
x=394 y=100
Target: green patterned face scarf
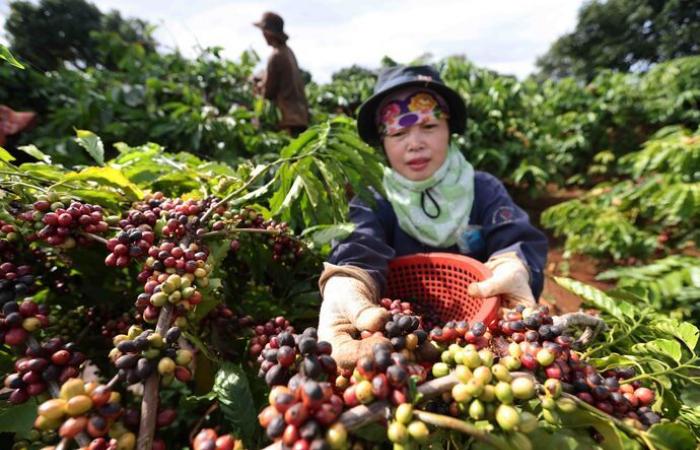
x=435 y=211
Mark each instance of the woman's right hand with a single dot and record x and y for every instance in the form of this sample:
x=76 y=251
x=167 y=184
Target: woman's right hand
x=346 y=310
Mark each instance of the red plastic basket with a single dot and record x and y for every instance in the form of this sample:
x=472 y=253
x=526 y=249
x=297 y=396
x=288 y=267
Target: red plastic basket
x=440 y=281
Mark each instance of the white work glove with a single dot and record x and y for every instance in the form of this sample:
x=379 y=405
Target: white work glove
x=510 y=279
x=349 y=305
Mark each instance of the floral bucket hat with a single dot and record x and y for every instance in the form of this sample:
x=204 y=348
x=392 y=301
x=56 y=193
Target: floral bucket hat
x=398 y=78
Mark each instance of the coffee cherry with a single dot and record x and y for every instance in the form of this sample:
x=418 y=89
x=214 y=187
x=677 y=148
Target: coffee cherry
x=397 y=433
x=404 y=413
x=507 y=417
x=523 y=388
x=644 y=395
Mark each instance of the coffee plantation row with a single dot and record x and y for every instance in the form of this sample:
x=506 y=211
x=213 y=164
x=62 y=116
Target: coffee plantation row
x=146 y=308
x=527 y=132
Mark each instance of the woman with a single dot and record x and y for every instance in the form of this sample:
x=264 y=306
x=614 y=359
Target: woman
x=435 y=202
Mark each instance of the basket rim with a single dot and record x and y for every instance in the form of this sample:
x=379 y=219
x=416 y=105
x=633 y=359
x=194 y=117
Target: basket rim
x=442 y=257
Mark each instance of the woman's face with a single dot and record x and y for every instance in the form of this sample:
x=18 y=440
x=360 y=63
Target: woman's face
x=416 y=152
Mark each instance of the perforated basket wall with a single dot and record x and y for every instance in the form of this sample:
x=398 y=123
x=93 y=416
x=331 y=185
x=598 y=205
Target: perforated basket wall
x=440 y=280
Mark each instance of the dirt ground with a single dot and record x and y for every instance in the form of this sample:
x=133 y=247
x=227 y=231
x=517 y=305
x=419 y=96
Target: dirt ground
x=580 y=268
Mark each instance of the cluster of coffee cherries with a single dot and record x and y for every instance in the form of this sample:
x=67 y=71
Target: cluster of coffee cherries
x=109 y=325
x=8 y=236
x=142 y=213
x=34 y=439
x=527 y=339
x=287 y=354
x=429 y=318
x=383 y=376
x=53 y=360
x=486 y=388
x=221 y=327
x=172 y=258
x=403 y=332
x=167 y=217
x=178 y=216
x=610 y=392
x=286 y=249
x=141 y=353
x=16 y=281
x=175 y=289
x=460 y=332
x=222 y=317
x=209 y=439
x=263 y=333
x=537 y=344
x=299 y=413
x=18 y=320
x=404 y=430
x=172 y=274
x=527 y=324
x=630 y=401
x=88 y=408
x=61 y=225
x=133 y=243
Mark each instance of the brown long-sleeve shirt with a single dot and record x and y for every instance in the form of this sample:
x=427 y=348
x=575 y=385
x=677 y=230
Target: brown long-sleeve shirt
x=284 y=86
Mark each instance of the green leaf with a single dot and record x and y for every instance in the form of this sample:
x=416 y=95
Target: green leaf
x=176 y=183
x=324 y=234
x=620 y=310
x=671 y=436
x=299 y=145
x=33 y=151
x=334 y=183
x=262 y=190
x=51 y=173
x=691 y=396
x=122 y=147
x=108 y=176
x=612 y=361
x=663 y=347
x=92 y=144
x=233 y=393
x=5 y=155
x=686 y=332
x=285 y=174
x=292 y=195
x=612 y=438
x=562 y=439
x=669 y=404
x=372 y=432
x=312 y=188
x=7 y=56
x=19 y=418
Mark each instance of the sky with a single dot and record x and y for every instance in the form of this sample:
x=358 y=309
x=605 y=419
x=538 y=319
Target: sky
x=504 y=35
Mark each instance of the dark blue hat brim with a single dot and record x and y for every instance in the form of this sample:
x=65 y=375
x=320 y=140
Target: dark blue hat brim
x=366 y=114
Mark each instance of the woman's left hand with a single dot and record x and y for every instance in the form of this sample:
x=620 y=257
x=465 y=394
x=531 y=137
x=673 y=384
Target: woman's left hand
x=510 y=279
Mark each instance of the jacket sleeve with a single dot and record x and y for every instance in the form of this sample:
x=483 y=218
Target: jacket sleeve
x=271 y=83
x=366 y=247
x=507 y=228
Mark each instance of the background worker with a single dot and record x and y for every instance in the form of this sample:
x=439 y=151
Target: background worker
x=282 y=82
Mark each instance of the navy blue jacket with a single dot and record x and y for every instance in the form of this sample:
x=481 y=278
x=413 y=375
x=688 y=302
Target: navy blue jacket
x=501 y=226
